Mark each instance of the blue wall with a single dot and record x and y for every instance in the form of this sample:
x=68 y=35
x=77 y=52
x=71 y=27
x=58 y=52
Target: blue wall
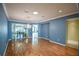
x=3 y=30
x=45 y=30
x=9 y=30
x=39 y=29
x=56 y=28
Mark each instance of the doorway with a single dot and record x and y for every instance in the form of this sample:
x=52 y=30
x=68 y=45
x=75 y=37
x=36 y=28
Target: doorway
x=72 y=34
x=34 y=34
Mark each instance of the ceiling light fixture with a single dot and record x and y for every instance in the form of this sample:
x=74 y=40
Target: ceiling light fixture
x=35 y=13
x=59 y=11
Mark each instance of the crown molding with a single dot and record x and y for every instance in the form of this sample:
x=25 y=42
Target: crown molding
x=60 y=16
x=23 y=21
x=42 y=20
x=5 y=10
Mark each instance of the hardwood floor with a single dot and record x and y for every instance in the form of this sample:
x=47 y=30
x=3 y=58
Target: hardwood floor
x=43 y=48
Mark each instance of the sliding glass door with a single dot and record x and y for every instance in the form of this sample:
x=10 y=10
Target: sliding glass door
x=20 y=31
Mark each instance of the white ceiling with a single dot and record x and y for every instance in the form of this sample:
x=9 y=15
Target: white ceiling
x=24 y=11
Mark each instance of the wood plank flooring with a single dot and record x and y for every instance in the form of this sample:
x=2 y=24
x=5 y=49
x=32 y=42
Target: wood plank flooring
x=43 y=48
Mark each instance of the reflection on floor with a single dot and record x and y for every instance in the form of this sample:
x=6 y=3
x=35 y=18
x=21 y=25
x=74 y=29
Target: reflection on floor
x=44 y=48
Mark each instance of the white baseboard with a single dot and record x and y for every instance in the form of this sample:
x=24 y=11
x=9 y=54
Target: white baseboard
x=6 y=47
x=44 y=38
x=56 y=43
x=52 y=41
